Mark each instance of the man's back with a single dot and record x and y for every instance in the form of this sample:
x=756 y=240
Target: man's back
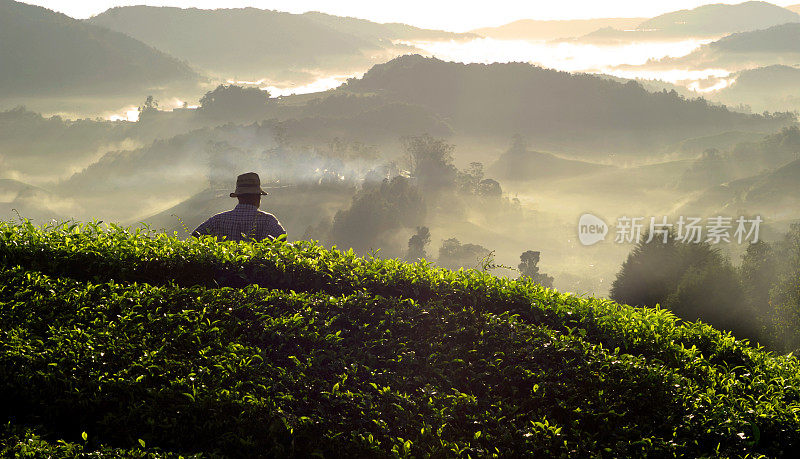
x=244 y=222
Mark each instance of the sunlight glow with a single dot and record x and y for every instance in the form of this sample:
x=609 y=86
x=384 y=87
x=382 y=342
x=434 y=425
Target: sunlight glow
x=130 y=113
x=721 y=83
x=452 y=15
x=567 y=56
x=277 y=89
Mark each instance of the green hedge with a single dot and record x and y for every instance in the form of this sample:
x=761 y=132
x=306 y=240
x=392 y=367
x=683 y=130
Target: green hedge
x=128 y=336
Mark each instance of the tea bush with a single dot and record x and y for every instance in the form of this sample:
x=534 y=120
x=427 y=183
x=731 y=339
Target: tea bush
x=154 y=346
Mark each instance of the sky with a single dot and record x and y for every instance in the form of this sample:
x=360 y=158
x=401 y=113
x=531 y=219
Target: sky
x=454 y=15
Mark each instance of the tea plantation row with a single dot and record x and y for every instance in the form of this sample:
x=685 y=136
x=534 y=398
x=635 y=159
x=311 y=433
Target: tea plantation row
x=152 y=346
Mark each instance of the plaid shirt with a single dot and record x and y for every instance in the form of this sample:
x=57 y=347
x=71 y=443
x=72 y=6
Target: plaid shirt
x=245 y=221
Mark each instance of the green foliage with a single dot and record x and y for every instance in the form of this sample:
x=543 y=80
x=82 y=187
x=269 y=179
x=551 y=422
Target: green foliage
x=693 y=280
x=129 y=336
x=775 y=269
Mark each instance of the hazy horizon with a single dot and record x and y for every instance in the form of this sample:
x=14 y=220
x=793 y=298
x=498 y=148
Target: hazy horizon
x=433 y=15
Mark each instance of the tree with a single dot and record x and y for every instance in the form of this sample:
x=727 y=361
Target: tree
x=377 y=210
x=757 y=273
x=431 y=162
x=150 y=107
x=713 y=294
x=693 y=280
x=454 y=255
x=231 y=101
x=417 y=244
x=490 y=188
x=469 y=179
x=529 y=267
x=649 y=274
x=784 y=296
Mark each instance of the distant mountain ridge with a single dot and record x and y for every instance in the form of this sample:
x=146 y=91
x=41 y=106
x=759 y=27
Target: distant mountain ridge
x=391 y=30
x=777 y=39
x=772 y=166
x=42 y=51
x=530 y=29
x=534 y=166
x=721 y=19
x=746 y=50
x=772 y=88
x=504 y=99
x=773 y=194
x=255 y=43
x=713 y=20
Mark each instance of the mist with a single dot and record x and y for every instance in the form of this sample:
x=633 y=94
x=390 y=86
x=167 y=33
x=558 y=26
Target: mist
x=464 y=149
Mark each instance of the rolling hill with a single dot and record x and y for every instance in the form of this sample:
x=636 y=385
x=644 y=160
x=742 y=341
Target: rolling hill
x=770 y=169
x=47 y=148
x=795 y=8
x=772 y=88
x=775 y=45
x=10 y=188
x=712 y=21
x=774 y=195
x=128 y=343
x=504 y=99
x=257 y=43
x=705 y=21
x=783 y=38
x=365 y=29
x=530 y=29
x=179 y=166
x=43 y=52
x=534 y=166
x=720 y=19
x=18 y=199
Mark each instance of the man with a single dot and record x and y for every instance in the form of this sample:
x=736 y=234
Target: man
x=245 y=221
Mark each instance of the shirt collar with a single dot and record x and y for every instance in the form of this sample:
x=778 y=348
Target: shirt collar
x=245 y=207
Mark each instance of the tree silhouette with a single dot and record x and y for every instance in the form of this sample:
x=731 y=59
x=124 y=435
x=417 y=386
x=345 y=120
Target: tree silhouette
x=417 y=244
x=649 y=274
x=454 y=255
x=378 y=210
x=784 y=296
x=529 y=267
x=231 y=101
x=469 y=179
x=149 y=108
x=490 y=188
x=431 y=162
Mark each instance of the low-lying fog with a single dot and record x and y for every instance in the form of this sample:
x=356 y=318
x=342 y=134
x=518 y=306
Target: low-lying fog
x=569 y=56
x=534 y=214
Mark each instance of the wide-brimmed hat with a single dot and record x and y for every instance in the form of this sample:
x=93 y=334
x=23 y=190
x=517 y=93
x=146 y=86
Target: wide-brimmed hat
x=248 y=183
